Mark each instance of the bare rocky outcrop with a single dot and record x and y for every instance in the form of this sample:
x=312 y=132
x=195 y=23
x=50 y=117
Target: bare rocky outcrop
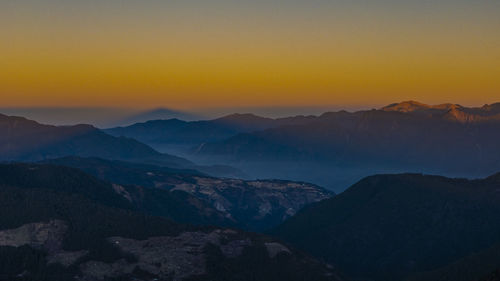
x=257 y=200
x=274 y=249
x=122 y=192
x=47 y=236
x=254 y=205
x=174 y=258
x=166 y=257
x=41 y=235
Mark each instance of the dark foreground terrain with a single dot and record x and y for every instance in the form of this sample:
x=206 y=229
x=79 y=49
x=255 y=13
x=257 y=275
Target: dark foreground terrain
x=408 y=226
x=61 y=224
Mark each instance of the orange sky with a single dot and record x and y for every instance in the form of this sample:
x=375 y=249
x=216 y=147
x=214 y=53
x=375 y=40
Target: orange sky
x=185 y=56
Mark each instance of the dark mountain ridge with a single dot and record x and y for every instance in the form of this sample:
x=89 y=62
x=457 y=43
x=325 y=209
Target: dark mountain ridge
x=389 y=227
x=160 y=133
x=448 y=141
x=155 y=114
x=26 y=140
x=336 y=149
x=172 y=131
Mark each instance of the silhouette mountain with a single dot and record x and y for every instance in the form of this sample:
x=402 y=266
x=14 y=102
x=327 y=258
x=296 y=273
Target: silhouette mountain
x=23 y=139
x=26 y=140
x=161 y=133
x=389 y=227
x=343 y=147
x=157 y=114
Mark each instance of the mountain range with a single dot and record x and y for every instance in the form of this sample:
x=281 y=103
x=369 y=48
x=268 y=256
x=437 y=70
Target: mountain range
x=174 y=134
x=156 y=114
x=26 y=140
x=336 y=149
x=452 y=112
x=79 y=203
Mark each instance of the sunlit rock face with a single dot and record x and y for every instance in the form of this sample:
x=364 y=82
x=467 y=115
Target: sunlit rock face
x=259 y=204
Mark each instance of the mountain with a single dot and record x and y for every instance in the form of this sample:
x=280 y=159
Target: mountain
x=452 y=112
x=484 y=263
x=174 y=131
x=393 y=227
x=173 y=134
x=59 y=224
x=101 y=117
x=418 y=107
x=157 y=114
x=23 y=139
x=251 y=205
x=338 y=148
x=26 y=140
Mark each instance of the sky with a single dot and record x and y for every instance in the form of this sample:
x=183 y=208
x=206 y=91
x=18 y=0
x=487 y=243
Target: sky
x=194 y=54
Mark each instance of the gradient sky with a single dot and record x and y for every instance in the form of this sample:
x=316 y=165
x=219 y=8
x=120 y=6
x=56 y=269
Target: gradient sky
x=203 y=53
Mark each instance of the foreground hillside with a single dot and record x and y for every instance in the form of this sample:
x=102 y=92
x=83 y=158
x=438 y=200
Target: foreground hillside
x=252 y=205
x=176 y=206
x=59 y=224
x=391 y=227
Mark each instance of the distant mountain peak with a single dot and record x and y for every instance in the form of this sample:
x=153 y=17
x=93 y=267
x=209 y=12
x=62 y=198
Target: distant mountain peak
x=246 y=121
x=162 y=121
x=242 y=117
x=494 y=107
x=22 y=121
x=9 y=118
x=455 y=114
x=158 y=114
x=414 y=106
x=449 y=111
x=406 y=106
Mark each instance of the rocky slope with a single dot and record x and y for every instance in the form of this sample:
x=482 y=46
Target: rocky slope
x=252 y=205
x=187 y=256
